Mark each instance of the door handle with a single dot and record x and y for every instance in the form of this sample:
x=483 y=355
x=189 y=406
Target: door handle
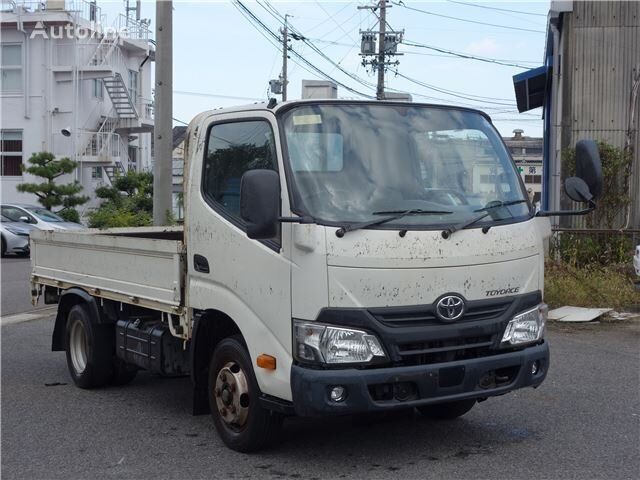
x=200 y=263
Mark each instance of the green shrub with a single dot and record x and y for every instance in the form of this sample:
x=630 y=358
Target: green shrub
x=593 y=286
x=127 y=203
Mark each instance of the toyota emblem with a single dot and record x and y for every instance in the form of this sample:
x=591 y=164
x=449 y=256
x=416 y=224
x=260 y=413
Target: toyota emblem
x=450 y=308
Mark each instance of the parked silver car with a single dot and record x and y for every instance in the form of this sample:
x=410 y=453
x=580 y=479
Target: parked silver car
x=39 y=217
x=15 y=236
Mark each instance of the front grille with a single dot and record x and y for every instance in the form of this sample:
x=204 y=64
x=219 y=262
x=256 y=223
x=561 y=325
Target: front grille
x=425 y=315
x=447 y=350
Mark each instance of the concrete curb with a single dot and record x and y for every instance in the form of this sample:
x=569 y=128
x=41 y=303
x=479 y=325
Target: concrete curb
x=27 y=316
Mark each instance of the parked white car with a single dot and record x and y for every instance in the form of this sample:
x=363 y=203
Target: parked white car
x=39 y=217
x=15 y=236
x=636 y=260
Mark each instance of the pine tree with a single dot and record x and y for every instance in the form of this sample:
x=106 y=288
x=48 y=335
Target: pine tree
x=51 y=194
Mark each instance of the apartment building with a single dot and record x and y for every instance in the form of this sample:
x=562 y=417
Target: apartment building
x=76 y=84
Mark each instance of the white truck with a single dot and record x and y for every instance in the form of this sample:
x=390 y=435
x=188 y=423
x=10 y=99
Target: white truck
x=336 y=257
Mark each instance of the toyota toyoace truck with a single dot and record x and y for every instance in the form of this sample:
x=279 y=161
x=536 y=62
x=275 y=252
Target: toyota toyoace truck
x=337 y=257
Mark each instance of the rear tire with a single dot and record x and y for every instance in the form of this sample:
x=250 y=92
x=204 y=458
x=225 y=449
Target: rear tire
x=3 y=253
x=242 y=423
x=447 y=411
x=88 y=347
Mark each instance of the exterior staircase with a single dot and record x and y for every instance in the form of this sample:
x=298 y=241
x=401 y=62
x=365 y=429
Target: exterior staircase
x=120 y=98
x=113 y=171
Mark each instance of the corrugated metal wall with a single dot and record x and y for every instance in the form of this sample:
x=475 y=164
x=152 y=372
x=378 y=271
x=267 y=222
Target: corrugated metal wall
x=602 y=53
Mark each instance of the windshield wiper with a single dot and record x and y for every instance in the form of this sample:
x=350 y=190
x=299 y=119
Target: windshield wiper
x=447 y=232
x=395 y=214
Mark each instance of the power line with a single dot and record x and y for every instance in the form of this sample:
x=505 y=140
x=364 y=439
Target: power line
x=465 y=96
x=498 y=9
x=511 y=62
x=464 y=55
x=274 y=38
x=214 y=95
x=495 y=25
x=316 y=49
x=258 y=23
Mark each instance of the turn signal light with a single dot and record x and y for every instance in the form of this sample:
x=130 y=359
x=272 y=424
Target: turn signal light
x=266 y=361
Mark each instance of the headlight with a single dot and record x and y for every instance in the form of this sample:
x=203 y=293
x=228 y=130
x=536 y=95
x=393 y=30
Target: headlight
x=319 y=343
x=526 y=327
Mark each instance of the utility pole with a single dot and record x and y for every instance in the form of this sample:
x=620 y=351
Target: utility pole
x=162 y=169
x=285 y=56
x=388 y=41
x=381 y=46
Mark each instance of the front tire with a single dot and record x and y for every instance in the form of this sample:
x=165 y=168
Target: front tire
x=3 y=253
x=88 y=347
x=242 y=423
x=447 y=411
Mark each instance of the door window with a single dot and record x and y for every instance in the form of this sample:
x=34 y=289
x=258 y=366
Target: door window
x=232 y=150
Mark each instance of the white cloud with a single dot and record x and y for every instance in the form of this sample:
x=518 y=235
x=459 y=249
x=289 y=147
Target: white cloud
x=486 y=46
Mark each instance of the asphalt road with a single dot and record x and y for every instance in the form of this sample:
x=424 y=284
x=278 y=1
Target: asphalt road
x=584 y=422
x=16 y=289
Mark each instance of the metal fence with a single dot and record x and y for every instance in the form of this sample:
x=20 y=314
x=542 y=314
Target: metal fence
x=582 y=247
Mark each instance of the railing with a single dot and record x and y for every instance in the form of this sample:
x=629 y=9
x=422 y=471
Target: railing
x=582 y=247
x=130 y=28
x=104 y=145
x=148 y=108
x=82 y=9
x=92 y=146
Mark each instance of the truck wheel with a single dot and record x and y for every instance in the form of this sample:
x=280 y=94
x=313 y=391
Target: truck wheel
x=447 y=411
x=89 y=355
x=242 y=423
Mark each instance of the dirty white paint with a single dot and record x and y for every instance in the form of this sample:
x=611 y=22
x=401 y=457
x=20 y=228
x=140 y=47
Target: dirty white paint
x=145 y=268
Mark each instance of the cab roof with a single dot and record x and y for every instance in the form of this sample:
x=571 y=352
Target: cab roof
x=265 y=106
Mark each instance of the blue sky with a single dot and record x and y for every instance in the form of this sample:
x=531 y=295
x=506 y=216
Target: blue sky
x=218 y=53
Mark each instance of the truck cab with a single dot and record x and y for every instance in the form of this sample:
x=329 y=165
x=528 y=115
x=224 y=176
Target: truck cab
x=368 y=289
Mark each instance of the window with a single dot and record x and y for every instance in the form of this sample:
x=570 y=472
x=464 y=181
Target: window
x=132 y=151
x=96 y=173
x=349 y=162
x=98 y=90
x=15 y=214
x=11 y=153
x=533 y=179
x=133 y=85
x=233 y=149
x=11 y=68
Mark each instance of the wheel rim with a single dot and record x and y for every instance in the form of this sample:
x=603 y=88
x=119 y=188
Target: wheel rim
x=232 y=395
x=78 y=347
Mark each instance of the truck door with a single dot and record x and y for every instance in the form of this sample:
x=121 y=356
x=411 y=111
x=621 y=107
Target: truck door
x=248 y=280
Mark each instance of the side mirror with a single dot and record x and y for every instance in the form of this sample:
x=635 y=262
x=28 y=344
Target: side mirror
x=24 y=219
x=586 y=186
x=260 y=203
x=589 y=167
x=577 y=190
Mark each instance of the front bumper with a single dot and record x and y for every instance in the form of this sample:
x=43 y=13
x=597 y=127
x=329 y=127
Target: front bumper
x=412 y=386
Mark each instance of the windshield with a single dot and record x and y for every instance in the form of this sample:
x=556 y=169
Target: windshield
x=45 y=215
x=350 y=162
